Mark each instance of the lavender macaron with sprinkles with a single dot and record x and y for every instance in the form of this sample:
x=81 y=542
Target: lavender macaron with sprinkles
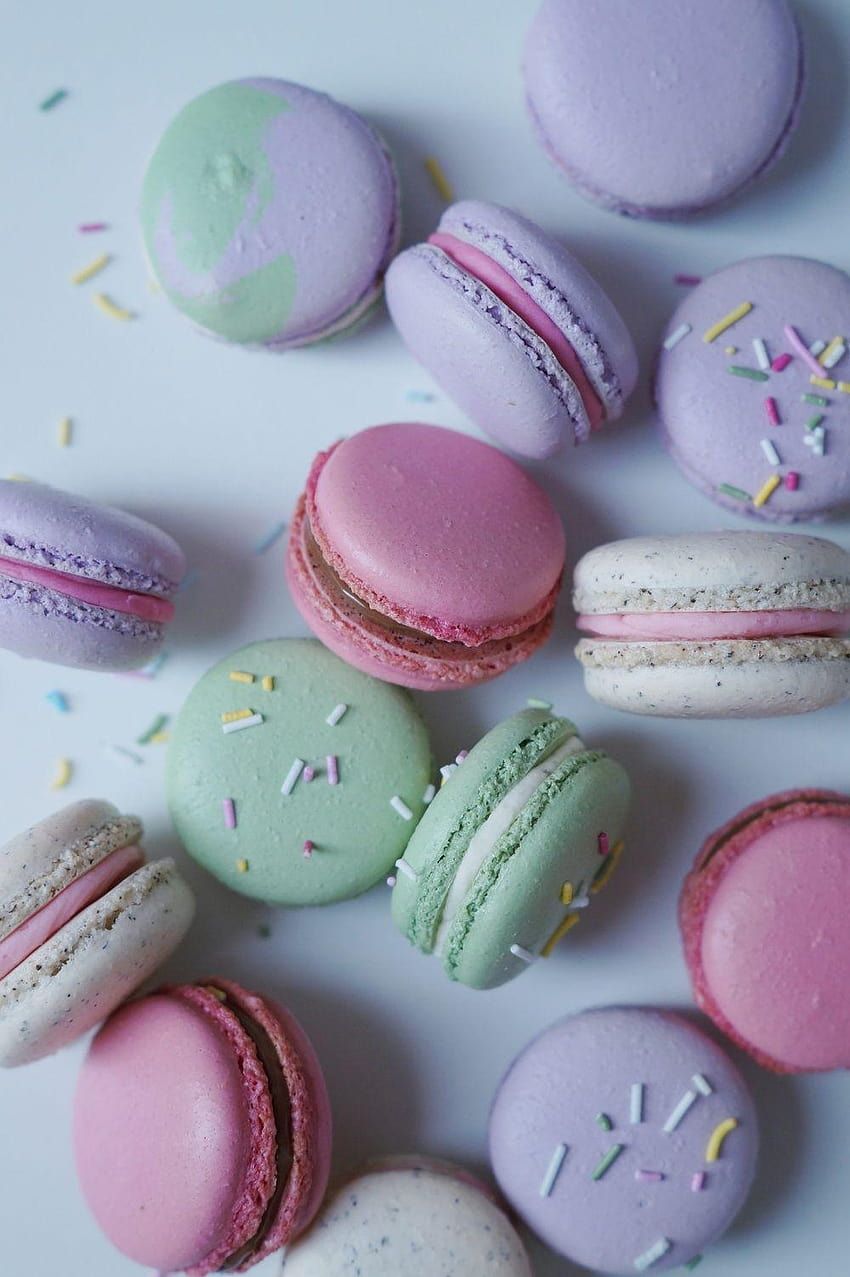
x=753 y=388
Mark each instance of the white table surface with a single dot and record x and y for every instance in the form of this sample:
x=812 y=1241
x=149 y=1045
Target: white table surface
x=215 y=443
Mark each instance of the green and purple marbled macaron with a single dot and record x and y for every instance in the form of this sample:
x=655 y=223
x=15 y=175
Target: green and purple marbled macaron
x=270 y=213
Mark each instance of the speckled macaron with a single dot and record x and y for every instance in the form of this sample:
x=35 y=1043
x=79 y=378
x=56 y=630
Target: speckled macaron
x=294 y=778
x=270 y=213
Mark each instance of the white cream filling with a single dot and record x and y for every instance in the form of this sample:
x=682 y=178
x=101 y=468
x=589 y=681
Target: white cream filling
x=497 y=823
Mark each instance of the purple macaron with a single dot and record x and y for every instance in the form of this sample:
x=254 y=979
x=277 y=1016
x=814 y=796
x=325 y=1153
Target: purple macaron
x=753 y=388
x=663 y=109
x=625 y=1138
x=270 y=213
x=82 y=584
x=513 y=328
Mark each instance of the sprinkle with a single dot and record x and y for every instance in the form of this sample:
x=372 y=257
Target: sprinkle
x=219 y=995
x=727 y=321
x=698 y=1182
x=152 y=668
x=738 y=493
x=656 y=1251
x=844 y=387
x=770 y=407
x=336 y=714
x=718 y=1135
x=762 y=357
x=59 y=701
x=239 y=676
x=693 y=1263
x=240 y=724
x=581 y=902
x=264 y=931
x=448 y=770
x=524 y=955
x=93 y=268
x=819 y=401
x=462 y=757
x=825 y=383
x=753 y=374
x=191 y=577
x=567 y=893
x=817 y=347
x=63 y=434
x=111 y=308
x=392 y=880
x=570 y=921
x=228 y=811
x=835 y=351
x=608 y=1161
x=242 y=866
x=160 y=738
x=268 y=682
x=769 y=450
x=534 y=702
x=606 y=870
x=766 y=491
x=308 y=848
x=815 y=421
x=781 y=362
x=308 y=774
x=420 y=396
x=333 y=769
x=730 y=350
x=438 y=177
x=702 y=1084
x=155 y=728
x=274 y=534
x=685 y=1103
x=636 y=1103
x=816 y=440
x=678 y=334
x=687 y=281
x=128 y=755
x=603 y=1120
x=54 y=100
x=407 y=870
x=64 y=771
x=553 y=1170
x=87 y=228
x=792 y=481
x=292 y=776
x=400 y=806
x=234 y=715
x=602 y=844
x=797 y=344
x=649 y=1177
x=428 y=796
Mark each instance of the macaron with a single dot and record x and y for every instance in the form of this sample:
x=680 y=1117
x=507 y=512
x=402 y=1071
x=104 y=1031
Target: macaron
x=715 y=624
x=202 y=1129
x=513 y=328
x=625 y=1139
x=752 y=385
x=294 y=778
x=80 y=583
x=425 y=557
x=667 y=109
x=270 y=213
x=84 y=921
x=763 y=915
x=410 y=1217
x=523 y=832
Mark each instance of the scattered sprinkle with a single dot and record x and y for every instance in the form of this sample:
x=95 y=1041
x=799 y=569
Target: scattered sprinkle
x=762 y=357
x=684 y=1105
x=448 y=770
x=400 y=806
x=792 y=481
x=567 y=893
x=655 y=1252
x=190 y=579
x=59 y=701
x=239 y=724
x=687 y=281
x=799 y=346
x=274 y=534
x=730 y=350
x=693 y=1263
x=220 y=996
x=89 y=228
x=392 y=880
x=636 y=1103
x=154 y=730
x=93 y=268
x=553 y=1170
x=64 y=432
x=817 y=347
x=239 y=676
x=268 y=682
x=649 y=1177
x=53 y=100
x=844 y=387
x=718 y=1135
x=781 y=362
x=727 y=321
x=819 y=401
x=766 y=491
x=407 y=870
x=571 y=920
x=702 y=1084
x=63 y=773
x=602 y=844
x=769 y=450
x=816 y=440
x=308 y=774
x=698 y=1182
x=228 y=811
x=438 y=177
x=332 y=764
x=420 y=396
x=160 y=738
x=752 y=374
x=730 y=491
x=534 y=702
x=428 y=796
x=826 y=383
x=462 y=757
x=111 y=308
x=292 y=776
x=815 y=421
x=152 y=668
x=835 y=351
x=603 y=1120
x=772 y=410
x=234 y=715
x=336 y=714
x=677 y=335
x=308 y=848
x=605 y=872
x=242 y=866
x=524 y=955
x=608 y=1161
x=126 y=755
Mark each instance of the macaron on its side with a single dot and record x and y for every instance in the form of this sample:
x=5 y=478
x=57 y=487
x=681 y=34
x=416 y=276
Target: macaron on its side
x=763 y=926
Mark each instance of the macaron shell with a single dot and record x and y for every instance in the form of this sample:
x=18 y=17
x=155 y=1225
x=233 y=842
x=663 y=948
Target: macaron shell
x=89 y=967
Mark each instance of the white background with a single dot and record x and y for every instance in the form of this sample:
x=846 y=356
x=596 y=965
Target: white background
x=214 y=444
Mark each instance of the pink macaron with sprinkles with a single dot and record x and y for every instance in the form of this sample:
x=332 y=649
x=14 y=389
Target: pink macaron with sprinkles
x=424 y=557
x=763 y=915
x=202 y=1129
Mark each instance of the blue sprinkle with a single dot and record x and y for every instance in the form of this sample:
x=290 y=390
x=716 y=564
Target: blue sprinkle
x=59 y=701
x=420 y=396
x=269 y=539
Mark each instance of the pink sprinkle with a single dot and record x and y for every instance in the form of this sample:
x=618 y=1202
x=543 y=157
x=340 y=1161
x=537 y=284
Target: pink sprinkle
x=781 y=362
x=464 y=753
x=698 y=1182
x=308 y=774
x=772 y=411
x=602 y=845
x=392 y=880
x=649 y=1177
x=333 y=770
x=308 y=848
x=86 y=228
x=792 y=481
x=802 y=350
x=687 y=281
x=229 y=811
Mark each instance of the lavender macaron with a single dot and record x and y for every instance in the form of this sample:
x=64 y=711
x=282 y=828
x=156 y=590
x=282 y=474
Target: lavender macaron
x=82 y=584
x=270 y=213
x=513 y=328
x=664 y=109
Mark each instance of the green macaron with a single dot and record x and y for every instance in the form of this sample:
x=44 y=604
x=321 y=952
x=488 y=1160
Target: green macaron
x=294 y=778
x=521 y=835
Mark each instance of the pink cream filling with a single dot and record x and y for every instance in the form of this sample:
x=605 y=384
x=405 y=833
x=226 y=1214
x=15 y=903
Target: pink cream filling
x=788 y=623
x=497 y=279
x=72 y=900
x=147 y=607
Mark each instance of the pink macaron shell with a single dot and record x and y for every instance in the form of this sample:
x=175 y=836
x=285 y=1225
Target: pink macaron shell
x=763 y=917
x=705 y=626
x=437 y=531
x=147 y=607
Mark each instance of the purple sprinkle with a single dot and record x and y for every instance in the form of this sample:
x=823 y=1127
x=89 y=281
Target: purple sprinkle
x=308 y=774
x=781 y=362
x=698 y=1182
x=687 y=281
x=464 y=753
x=86 y=228
x=649 y=1177
x=333 y=770
x=308 y=848
x=228 y=808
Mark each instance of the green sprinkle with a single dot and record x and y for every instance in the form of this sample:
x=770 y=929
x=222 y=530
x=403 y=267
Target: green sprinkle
x=730 y=491
x=817 y=400
x=264 y=931
x=608 y=1160
x=814 y=422
x=693 y=1263
x=603 y=1120
x=534 y=703
x=54 y=100
x=158 y=724
x=752 y=373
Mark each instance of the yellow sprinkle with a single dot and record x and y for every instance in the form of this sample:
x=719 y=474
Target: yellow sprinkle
x=17 y=477
x=239 y=676
x=727 y=321
x=844 y=387
x=218 y=994
x=242 y=866
x=268 y=683
x=833 y=345
x=717 y=1136
x=438 y=177
x=93 y=268
x=731 y=350
x=608 y=866
x=231 y=715
x=109 y=307
x=826 y=382
x=159 y=738
x=63 y=774
x=567 y=893
x=571 y=920
x=64 y=433
x=766 y=491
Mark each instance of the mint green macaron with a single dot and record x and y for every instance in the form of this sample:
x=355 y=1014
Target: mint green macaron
x=294 y=778
x=520 y=837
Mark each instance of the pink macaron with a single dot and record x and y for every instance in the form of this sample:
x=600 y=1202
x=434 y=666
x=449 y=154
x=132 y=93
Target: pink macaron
x=425 y=557
x=763 y=915
x=202 y=1129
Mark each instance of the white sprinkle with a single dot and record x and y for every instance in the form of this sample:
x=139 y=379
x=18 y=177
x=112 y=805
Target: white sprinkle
x=816 y=440
x=399 y=805
x=335 y=715
x=128 y=755
x=689 y=1098
x=656 y=1251
x=553 y=1170
x=769 y=449
x=448 y=770
x=239 y=724
x=762 y=357
x=525 y=955
x=678 y=334
x=702 y=1084
x=407 y=870
x=817 y=347
x=534 y=702
x=636 y=1104
x=292 y=776
x=838 y=352
x=392 y=880
x=580 y=902
x=428 y=796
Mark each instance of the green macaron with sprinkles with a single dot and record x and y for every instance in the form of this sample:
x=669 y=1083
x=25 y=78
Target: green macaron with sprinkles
x=526 y=828
x=294 y=778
